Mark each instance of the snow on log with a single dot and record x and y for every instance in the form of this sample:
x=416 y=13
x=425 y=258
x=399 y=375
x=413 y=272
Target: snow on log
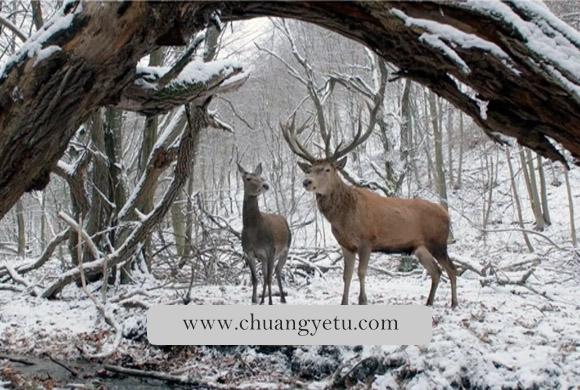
x=196 y=82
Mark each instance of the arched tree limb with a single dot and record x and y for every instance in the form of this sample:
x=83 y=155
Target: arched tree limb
x=86 y=57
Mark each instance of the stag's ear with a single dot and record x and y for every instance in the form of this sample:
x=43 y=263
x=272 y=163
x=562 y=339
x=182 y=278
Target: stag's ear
x=241 y=169
x=340 y=164
x=258 y=170
x=305 y=167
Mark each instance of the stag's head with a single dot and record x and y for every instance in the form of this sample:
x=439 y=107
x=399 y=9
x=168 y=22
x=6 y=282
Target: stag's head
x=254 y=183
x=322 y=173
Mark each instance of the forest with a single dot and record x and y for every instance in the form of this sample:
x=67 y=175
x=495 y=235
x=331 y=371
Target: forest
x=132 y=137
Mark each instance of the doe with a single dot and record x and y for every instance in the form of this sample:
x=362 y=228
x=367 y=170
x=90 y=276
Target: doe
x=265 y=237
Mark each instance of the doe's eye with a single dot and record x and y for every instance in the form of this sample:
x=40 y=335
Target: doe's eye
x=247 y=179
x=327 y=169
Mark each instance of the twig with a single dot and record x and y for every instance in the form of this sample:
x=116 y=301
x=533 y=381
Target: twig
x=7 y=23
x=467 y=266
x=17 y=360
x=183 y=380
x=110 y=320
x=59 y=363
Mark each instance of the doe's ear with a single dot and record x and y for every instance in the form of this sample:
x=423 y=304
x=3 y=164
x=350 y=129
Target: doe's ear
x=241 y=169
x=340 y=164
x=305 y=167
x=258 y=170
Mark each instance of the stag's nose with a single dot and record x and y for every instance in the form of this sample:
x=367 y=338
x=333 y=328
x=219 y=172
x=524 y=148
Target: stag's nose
x=306 y=183
x=266 y=186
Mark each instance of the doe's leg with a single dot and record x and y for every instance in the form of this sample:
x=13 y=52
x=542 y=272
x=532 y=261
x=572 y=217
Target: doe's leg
x=349 y=259
x=265 y=275
x=252 y=264
x=270 y=274
x=428 y=261
x=279 y=266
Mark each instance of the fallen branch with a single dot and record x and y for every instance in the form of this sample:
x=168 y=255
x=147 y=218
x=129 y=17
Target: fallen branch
x=524 y=231
x=59 y=363
x=182 y=380
x=22 y=281
x=17 y=360
x=521 y=282
x=466 y=266
x=43 y=258
x=10 y=287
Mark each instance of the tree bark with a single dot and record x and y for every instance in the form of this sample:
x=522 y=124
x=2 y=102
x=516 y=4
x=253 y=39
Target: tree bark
x=571 y=210
x=543 y=191
x=21 y=228
x=517 y=200
x=438 y=141
x=43 y=101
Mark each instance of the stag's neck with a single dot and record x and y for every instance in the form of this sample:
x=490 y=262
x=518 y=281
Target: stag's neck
x=251 y=213
x=333 y=205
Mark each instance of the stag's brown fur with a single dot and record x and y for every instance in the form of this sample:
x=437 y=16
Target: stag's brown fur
x=364 y=222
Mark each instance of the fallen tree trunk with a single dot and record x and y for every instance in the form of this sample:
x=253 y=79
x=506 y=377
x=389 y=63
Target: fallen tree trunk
x=506 y=54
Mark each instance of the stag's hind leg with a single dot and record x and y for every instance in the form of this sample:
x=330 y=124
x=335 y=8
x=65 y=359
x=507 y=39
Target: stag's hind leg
x=279 y=266
x=428 y=261
x=451 y=270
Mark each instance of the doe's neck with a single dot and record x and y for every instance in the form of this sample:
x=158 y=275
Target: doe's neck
x=251 y=211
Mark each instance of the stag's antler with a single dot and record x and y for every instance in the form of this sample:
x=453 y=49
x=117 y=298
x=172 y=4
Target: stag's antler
x=359 y=137
x=290 y=133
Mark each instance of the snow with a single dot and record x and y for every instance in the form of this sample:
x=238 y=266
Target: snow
x=34 y=45
x=194 y=72
x=437 y=33
x=549 y=40
x=45 y=53
x=436 y=42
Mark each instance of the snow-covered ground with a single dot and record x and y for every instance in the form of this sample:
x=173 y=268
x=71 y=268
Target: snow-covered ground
x=502 y=335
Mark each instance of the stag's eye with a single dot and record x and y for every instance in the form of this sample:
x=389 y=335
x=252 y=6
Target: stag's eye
x=327 y=170
x=247 y=179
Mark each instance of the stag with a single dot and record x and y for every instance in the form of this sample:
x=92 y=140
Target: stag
x=364 y=222
x=265 y=237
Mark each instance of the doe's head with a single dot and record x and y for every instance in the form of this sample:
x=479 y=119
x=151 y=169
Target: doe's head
x=254 y=183
x=321 y=175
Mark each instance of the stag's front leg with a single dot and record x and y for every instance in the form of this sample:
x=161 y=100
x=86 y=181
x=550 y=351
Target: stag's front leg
x=349 y=259
x=364 y=255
